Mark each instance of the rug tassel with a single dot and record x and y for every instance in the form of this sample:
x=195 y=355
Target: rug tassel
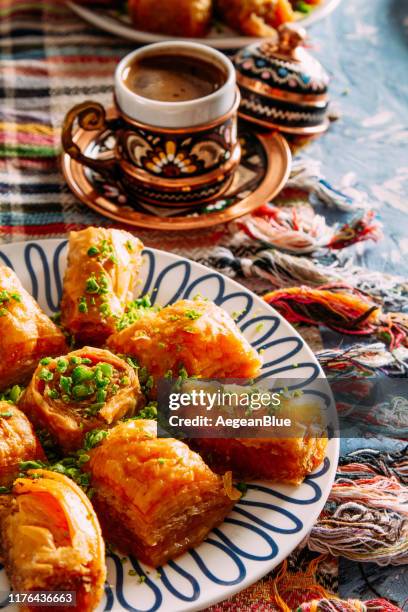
x=341 y=308
x=306 y=174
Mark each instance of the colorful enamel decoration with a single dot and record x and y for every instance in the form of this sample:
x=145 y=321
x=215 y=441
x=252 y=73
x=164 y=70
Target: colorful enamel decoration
x=282 y=85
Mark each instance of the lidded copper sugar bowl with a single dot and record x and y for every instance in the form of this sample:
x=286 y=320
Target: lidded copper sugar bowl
x=282 y=85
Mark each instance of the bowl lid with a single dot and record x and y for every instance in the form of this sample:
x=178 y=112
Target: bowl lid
x=283 y=64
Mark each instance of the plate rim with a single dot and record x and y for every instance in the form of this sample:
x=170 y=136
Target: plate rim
x=333 y=446
x=273 y=143
x=113 y=26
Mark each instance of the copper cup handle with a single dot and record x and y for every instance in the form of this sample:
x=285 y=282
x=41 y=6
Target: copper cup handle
x=91 y=116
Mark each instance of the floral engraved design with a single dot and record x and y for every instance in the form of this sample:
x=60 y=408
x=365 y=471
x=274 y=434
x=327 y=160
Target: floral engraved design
x=169 y=161
x=173 y=158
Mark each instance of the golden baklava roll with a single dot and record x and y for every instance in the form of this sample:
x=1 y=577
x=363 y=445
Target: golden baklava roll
x=285 y=442
x=101 y=275
x=84 y=390
x=26 y=333
x=175 y=17
x=255 y=17
x=51 y=540
x=155 y=497
x=18 y=442
x=287 y=460
x=195 y=335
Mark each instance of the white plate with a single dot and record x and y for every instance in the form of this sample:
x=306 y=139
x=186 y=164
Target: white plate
x=223 y=38
x=271 y=520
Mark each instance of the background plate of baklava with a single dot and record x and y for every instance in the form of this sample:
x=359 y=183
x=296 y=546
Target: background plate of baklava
x=224 y=24
x=91 y=499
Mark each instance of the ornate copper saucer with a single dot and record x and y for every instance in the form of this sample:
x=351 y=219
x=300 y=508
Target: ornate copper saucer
x=262 y=173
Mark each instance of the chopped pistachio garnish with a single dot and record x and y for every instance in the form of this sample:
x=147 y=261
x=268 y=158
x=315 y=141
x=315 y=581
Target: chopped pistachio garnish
x=45 y=361
x=93 y=409
x=14 y=393
x=78 y=379
x=132 y=362
x=192 y=314
x=81 y=391
x=6 y=296
x=103 y=282
x=242 y=487
x=93 y=438
x=135 y=310
x=183 y=374
x=53 y=394
x=92 y=251
x=148 y=412
x=105 y=309
x=106 y=369
x=83 y=306
x=101 y=395
x=62 y=365
x=91 y=285
x=101 y=380
x=82 y=373
x=45 y=375
x=148 y=384
x=66 y=384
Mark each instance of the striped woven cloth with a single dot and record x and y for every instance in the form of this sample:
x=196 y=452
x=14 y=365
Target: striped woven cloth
x=50 y=60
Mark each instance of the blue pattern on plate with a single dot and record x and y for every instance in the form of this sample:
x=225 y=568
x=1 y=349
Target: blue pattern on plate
x=46 y=280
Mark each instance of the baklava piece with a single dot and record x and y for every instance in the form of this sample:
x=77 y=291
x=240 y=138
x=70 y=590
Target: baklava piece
x=84 y=390
x=287 y=460
x=155 y=497
x=255 y=17
x=189 y=18
x=101 y=276
x=26 y=333
x=51 y=540
x=195 y=335
x=18 y=442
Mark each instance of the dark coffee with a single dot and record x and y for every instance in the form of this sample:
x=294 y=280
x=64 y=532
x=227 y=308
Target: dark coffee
x=173 y=78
